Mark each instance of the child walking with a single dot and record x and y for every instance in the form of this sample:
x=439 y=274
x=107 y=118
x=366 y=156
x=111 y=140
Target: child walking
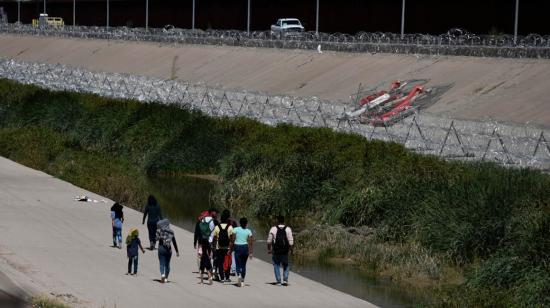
x=132 y=244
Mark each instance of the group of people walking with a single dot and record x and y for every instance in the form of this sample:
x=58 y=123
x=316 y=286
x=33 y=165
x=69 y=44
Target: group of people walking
x=222 y=243
x=223 y=246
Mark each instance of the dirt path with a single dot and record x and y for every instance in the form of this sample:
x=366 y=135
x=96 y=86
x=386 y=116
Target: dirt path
x=515 y=90
x=54 y=245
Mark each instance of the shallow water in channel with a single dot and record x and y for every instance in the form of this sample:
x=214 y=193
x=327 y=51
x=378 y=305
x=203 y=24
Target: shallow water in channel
x=183 y=199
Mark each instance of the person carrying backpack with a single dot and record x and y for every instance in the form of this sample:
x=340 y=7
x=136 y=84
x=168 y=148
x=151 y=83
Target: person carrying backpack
x=117 y=218
x=165 y=237
x=223 y=239
x=153 y=214
x=279 y=244
x=203 y=232
x=206 y=216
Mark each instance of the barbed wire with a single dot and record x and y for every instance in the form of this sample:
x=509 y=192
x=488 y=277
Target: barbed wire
x=455 y=43
x=506 y=144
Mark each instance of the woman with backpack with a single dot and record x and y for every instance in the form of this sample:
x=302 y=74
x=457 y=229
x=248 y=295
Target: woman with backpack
x=165 y=237
x=153 y=214
x=279 y=244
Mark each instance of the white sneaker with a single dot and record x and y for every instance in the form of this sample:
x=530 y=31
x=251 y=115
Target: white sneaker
x=162 y=278
x=242 y=283
x=239 y=282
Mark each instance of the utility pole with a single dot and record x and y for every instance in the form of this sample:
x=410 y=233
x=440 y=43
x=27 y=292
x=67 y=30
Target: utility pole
x=403 y=19
x=74 y=13
x=18 y=11
x=193 y=18
x=248 y=19
x=107 y=13
x=317 y=19
x=44 y=6
x=516 y=23
x=146 y=14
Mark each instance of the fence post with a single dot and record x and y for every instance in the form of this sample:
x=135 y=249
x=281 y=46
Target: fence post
x=516 y=23
x=403 y=19
x=317 y=19
x=107 y=14
x=248 y=19
x=193 y=17
x=146 y=14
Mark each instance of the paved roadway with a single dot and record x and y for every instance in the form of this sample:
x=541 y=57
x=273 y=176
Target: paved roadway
x=51 y=244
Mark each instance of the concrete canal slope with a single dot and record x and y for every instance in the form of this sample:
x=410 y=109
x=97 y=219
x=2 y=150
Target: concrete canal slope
x=515 y=90
x=52 y=244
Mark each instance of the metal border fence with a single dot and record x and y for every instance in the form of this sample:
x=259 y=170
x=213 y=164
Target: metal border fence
x=508 y=145
x=451 y=44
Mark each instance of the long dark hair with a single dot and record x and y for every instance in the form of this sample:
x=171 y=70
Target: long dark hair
x=243 y=222
x=152 y=201
x=225 y=216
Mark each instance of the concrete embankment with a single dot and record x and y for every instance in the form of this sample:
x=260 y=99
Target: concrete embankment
x=54 y=245
x=514 y=90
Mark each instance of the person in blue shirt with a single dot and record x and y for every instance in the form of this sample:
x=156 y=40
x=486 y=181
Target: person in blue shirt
x=244 y=244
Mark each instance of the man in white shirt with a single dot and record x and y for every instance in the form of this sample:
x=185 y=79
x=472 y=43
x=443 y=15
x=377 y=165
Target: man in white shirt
x=279 y=244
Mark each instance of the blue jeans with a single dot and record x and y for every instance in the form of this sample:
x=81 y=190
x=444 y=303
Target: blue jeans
x=241 y=256
x=133 y=260
x=117 y=236
x=164 y=259
x=279 y=260
x=233 y=263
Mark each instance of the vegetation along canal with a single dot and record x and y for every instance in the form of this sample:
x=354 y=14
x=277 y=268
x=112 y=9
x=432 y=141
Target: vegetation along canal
x=184 y=198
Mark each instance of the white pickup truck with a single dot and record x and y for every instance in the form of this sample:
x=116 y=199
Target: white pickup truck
x=287 y=27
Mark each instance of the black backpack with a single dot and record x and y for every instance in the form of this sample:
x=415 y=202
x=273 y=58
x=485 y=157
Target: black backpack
x=281 y=245
x=223 y=236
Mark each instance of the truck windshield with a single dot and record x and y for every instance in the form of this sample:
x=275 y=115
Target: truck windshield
x=291 y=23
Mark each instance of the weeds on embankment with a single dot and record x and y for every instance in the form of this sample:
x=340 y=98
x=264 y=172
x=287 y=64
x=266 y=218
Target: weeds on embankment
x=43 y=301
x=472 y=233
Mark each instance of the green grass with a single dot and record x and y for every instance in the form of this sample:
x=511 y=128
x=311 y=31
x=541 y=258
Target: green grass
x=467 y=231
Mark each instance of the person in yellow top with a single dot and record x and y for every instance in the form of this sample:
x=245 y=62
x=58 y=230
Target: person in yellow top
x=224 y=238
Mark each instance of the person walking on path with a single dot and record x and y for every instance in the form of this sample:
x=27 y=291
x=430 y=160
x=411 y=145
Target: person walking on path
x=132 y=244
x=233 y=271
x=223 y=239
x=243 y=249
x=165 y=237
x=279 y=244
x=205 y=260
x=117 y=218
x=203 y=232
x=153 y=214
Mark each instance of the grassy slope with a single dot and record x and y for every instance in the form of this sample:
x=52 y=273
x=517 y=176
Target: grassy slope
x=415 y=218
